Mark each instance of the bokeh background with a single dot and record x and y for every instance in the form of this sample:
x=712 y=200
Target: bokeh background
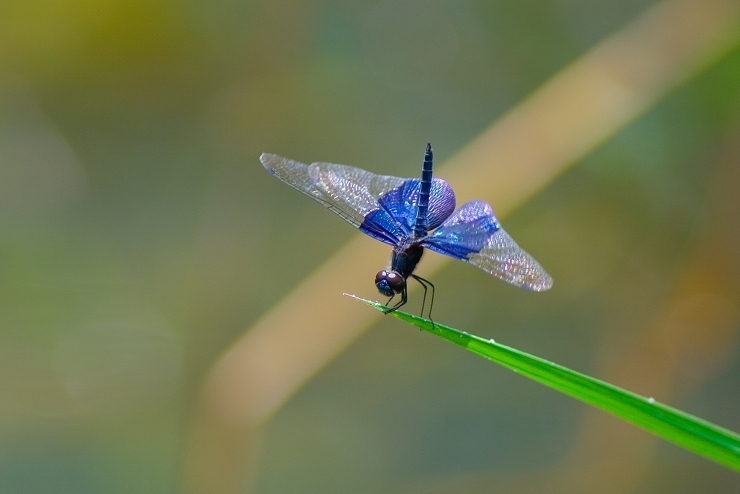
x=140 y=239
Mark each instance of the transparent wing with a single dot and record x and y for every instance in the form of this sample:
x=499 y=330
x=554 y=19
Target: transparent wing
x=350 y=192
x=472 y=234
x=504 y=259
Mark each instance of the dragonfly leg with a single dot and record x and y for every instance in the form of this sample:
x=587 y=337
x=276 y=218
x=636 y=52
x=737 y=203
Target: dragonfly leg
x=401 y=303
x=387 y=310
x=426 y=284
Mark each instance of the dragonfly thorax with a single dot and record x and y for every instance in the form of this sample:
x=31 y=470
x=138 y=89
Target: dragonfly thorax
x=405 y=257
x=390 y=283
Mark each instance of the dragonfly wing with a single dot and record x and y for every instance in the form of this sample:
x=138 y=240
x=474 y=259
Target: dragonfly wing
x=350 y=192
x=503 y=258
x=472 y=234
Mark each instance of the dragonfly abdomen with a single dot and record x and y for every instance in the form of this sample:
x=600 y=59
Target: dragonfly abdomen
x=425 y=187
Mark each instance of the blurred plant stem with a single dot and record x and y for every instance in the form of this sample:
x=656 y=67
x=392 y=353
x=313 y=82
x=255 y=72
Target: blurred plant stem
x=567 y=117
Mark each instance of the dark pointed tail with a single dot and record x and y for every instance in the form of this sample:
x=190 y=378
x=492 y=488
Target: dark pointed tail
x=420 y=228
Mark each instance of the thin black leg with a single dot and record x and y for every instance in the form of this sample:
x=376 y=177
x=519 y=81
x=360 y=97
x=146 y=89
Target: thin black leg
x=401 y=303
x=424 y=299
x=424 y=282
x=387 y=309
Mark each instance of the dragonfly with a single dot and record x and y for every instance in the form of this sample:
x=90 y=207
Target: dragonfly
x=411 y=215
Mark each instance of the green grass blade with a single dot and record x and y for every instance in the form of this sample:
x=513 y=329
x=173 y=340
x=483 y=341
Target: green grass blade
x=692 y=433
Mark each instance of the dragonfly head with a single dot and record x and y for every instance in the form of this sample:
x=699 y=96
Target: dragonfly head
x=389 y=283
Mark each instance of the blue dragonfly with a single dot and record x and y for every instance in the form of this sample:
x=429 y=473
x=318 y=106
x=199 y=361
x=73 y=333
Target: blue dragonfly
x=411 y=215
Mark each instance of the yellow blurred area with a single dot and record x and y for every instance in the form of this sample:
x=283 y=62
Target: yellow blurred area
x=71 y=40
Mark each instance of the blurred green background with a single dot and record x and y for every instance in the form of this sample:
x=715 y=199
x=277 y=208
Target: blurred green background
x=139 y=237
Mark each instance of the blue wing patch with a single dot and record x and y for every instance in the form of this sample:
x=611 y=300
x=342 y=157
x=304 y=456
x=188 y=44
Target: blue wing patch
x=465 y=232
x=396 y=216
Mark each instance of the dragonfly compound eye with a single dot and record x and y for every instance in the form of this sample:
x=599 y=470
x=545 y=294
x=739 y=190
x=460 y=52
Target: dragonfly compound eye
x=389 y=283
